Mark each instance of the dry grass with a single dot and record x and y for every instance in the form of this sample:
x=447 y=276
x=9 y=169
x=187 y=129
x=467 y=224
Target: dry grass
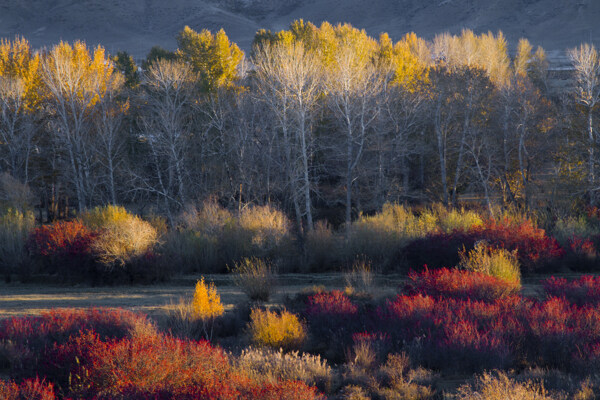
x=276 y=365
x=15 y=228
x=498 y=386
x=255 y=277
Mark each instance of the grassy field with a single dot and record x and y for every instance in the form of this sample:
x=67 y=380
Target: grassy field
x=155 y=300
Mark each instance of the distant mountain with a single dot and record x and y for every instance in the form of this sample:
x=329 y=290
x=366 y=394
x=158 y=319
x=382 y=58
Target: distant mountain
x=137 y=25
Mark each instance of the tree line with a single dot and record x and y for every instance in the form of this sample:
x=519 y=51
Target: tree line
x=324 y=121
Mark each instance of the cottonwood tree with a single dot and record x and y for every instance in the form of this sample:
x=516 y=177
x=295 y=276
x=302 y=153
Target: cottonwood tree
x=405 y=66
x=19 y=100
x=110 y=139
x=288 y=80
x=168 y=95
x=586 y=63
x=354 y=86
x=76 y=80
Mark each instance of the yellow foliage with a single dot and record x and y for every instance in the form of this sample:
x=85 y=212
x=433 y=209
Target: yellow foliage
x=408 y=59
x=73 y=74
x=277 y=330
x=267 y=226
x=500 y=263
x=100 y=217
x=122 y=236
x=213 y=56
x=206 y=304
x=19 y=62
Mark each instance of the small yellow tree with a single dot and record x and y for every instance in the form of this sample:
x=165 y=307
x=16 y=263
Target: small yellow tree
x=206 y=306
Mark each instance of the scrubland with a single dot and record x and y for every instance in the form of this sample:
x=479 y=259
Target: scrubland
x=425 y=303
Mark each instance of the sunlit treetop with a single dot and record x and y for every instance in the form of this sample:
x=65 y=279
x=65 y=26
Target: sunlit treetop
x=408 y=59
x=213 y=56
x=19 y=62
x=75 y=73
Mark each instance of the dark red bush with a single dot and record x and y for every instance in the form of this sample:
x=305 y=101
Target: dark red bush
x=64 y=248
x=459 y=284
x=330 y=304
x=30 y=389
x=62 y=239
x=28 y=342
x=534 y=248
x=585 y=290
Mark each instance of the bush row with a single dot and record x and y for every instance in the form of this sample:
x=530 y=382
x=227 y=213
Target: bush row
x=452 y=319
x=110 y=244
x=103 y=354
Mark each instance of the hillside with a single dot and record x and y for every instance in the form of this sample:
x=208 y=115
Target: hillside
x=137 y=25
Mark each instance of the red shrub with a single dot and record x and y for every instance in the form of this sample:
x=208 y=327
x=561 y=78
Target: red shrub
x=162 y=367
x=330 y=304
x=31 y=389
x=29 y=341
x=64 y=248
x=534 y=248
x=460 y=284
x=62 y=239
x=585 y=290
x=451 y=333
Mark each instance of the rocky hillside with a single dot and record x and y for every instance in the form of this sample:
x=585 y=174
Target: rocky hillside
x=137 y=25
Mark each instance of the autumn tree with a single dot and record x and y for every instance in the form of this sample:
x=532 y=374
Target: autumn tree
x=353 y=85
x=212 y=56
x=76 y=79
x=20 y=96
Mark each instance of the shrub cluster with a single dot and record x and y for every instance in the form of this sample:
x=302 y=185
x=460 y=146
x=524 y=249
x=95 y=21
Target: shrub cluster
x=454 y=283
x=465 y=320
x=109 y=354
x=29 y=389
x=276 y=329
x=210 y=238
x=582 y=291
x=535 y=250
x=104 y=245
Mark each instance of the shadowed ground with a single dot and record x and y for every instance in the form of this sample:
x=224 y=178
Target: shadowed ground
x=31 y=299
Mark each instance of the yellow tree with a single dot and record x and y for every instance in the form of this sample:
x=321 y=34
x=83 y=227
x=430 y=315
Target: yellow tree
x=20 y=95
x=213 y=56
x=353 y=87
x=76 y=80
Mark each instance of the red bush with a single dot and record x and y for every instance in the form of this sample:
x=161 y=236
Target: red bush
x=104 y=354
x=62 y=239
x=330 y=304
x=534 y=248
x=29 y=341
x=31 y=389
x=162 y=367
x=585 y=290
x=459 y=284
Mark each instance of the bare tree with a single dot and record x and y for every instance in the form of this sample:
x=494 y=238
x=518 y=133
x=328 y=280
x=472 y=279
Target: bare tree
x=16 y=128
x=166 y=121
x=110 y=139
x=586 y=63
x=288 y=80
x=354 y=86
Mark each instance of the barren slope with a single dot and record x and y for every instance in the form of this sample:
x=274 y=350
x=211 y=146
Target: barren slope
x=136 y=25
